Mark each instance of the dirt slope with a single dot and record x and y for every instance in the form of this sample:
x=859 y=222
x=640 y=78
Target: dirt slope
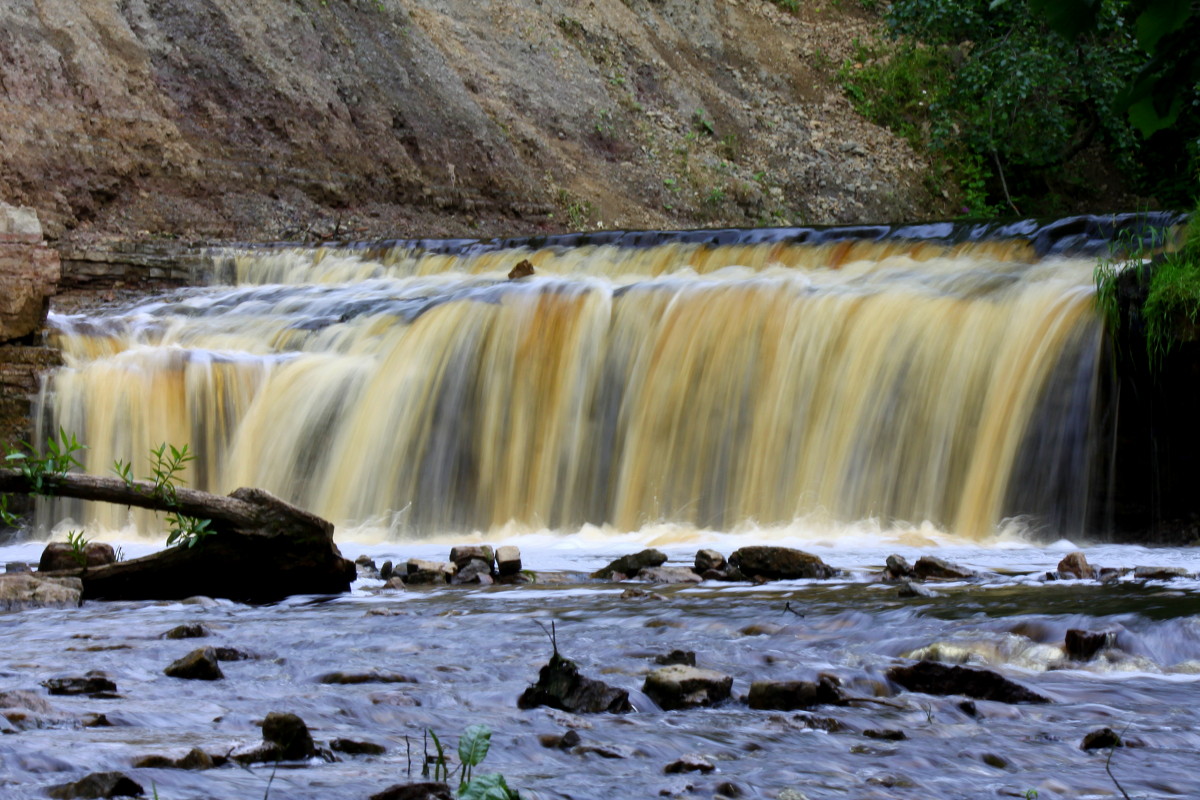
x=254 y=119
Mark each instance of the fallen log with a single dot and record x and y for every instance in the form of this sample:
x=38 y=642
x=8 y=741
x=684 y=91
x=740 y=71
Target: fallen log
x=261 y=549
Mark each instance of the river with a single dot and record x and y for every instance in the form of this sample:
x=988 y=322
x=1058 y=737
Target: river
x=851 y=399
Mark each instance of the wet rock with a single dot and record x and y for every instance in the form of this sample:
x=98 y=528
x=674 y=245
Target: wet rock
x=196 y=759
x=365 y=566
x=26 y=590
x=684 y=657
x=632 y=564
x=561 y=742
x=1159 y=573
x=98 y=784
x=794 y=695
x=1084 y=645
x=61 y=556
x=473 y=572
x=813 y=722
x=95 y=721
x=886 y=734
x=560 y=685
x=508 y=560
x=968 y=708
x=761 y=629
x=640 y=594
x=679 y=686
x=465 y=554
x=897 y=567
x=374 y=676
x=1075 y=565
x=419 y=565
x=523 y=269
x=995 y=760
x=779 y=563
x=426 y=577
x=17 y=567
x=613 y=751
x=198 y=665
x=385 y=570
x=415 y=791
x=26 y=701
x=91 y=683
x=709 y=559
x=689 y=763
x=193 y=631
x=911 y=589
x=288 y=734
x=355 y=748
x=932 y=567
x=233 y=654
x=398 y=699
x=668 y=575
x=729 y=789
x=931 y=677
x=1101 y=739
x=1109 y=575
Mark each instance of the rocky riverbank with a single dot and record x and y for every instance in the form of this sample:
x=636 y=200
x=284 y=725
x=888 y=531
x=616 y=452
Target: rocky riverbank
x=261 y=121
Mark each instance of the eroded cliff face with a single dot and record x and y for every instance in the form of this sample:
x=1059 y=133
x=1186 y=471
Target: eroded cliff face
x=258 y=119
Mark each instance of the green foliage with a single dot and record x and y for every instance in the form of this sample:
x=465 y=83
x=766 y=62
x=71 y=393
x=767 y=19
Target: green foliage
x=490 y=786
x=78 y=545
x=473 y=748
x=187 y=531
x=1019 y=95
x=702 y=123
x=788 y=5
x=168 y=462
x=40 y=469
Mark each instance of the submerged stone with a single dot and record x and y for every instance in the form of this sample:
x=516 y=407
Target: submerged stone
x=932 y=677
x=91 y=683
x=96 y=785
x=355 y=748
x=1084 y=645
x=631 y=564
x=794 y=695
x=415 y=791
x=779 y=563
x=938 y=568
x=560 y=685
x=193 y=631
x=680 y=686
x=198 y=665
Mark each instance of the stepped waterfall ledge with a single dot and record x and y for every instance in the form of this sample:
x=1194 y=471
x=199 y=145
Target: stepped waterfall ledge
x=420 y=391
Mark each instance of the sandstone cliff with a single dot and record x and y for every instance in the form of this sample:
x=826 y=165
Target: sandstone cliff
x=261 y=119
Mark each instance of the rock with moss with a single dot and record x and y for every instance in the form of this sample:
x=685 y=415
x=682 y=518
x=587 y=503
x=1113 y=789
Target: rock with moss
x=779 y=563
x=629 y=565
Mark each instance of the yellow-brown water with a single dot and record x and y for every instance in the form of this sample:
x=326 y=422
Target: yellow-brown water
x=704 y=385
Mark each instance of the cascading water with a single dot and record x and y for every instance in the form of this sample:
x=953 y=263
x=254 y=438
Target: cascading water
x=418 y=390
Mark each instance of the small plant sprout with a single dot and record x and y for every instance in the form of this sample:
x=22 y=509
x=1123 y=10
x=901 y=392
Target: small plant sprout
x=78 y=544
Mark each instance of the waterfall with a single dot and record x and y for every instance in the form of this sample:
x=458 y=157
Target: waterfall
x=417 y=389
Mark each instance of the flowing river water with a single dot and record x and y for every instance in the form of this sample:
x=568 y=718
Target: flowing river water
x=851 y=399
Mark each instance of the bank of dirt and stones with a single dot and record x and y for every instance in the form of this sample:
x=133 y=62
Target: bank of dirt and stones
x=260 y=120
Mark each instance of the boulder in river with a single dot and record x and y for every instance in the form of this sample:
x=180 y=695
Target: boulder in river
x=668 y=575
x=195 y=630
x=897 y=567
x=680 y=686
x=631 y=564
x=92 y=683
x=98 y=784
x=560 y=685
x=290 y=736
x=60 y=555
x=1084 y=645
x=1075 y=565
x=685 y=657
x=21 y=590
x=932 y=677
x=195 y=759
x=910 y=588
x=709 y=559
x=1100 y=739
x=198 y=665
x=1160 y=573
x=928 y=567
x=508 y=560
x=794 y=695
x=779 y=563
x=355 y=748
x=415 y=791
x=374 y=676
x=689 y=763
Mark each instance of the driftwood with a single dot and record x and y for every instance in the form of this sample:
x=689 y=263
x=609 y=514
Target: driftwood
x=261 y=548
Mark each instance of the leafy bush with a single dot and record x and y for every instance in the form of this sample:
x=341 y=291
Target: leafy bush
x=992 y=85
